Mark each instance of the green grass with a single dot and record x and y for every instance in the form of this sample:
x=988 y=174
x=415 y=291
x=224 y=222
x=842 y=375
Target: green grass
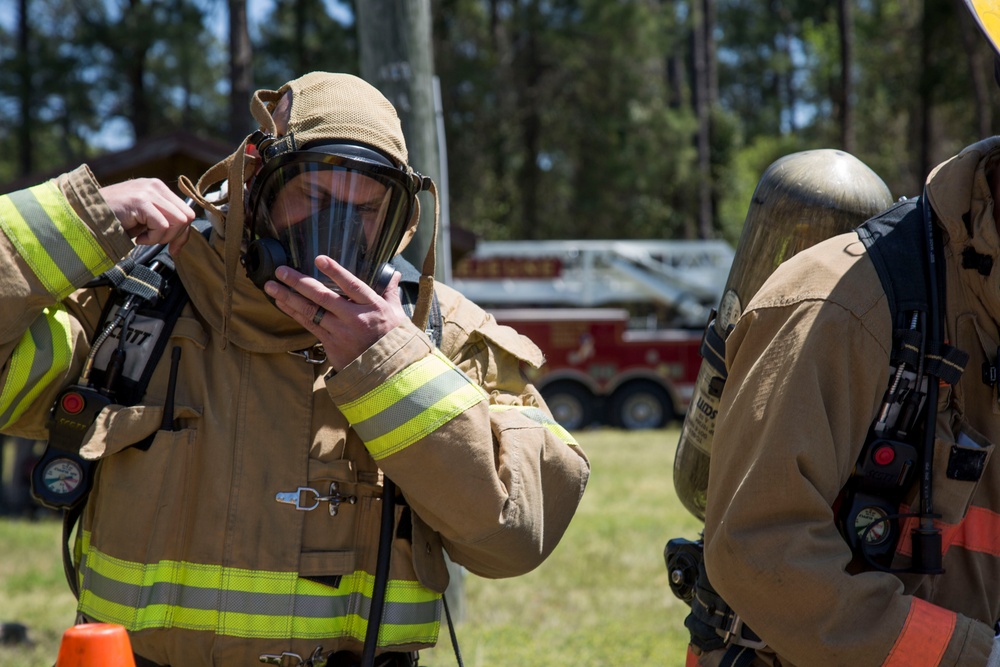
x=33 y=590
x=601 y=599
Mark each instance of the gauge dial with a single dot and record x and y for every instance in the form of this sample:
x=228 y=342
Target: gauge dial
x=62 y=476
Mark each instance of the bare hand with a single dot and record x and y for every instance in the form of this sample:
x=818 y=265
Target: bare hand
x=347 y=324
x=150 y=212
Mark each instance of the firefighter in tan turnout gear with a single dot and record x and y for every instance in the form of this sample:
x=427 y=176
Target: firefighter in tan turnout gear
x=808 y=366
x=852 y=515
x=235 y=512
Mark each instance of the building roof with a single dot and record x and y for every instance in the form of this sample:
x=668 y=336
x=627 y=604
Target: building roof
x=165 y=156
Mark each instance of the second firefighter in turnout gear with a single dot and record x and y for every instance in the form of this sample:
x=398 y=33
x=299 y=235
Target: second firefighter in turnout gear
x=808 y=366
x=235 y=510
x=852 y=504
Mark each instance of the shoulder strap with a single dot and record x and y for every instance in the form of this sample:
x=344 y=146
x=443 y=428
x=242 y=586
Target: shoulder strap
x=409 y=286
x=906 y=251
x=147 y=277
x=895 y=242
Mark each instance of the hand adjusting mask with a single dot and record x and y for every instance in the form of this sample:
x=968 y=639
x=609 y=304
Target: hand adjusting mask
x=340 y=199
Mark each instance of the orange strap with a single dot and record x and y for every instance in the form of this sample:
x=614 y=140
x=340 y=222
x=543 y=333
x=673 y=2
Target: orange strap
x=692 y=659
x=979 y=531
x=924 y=637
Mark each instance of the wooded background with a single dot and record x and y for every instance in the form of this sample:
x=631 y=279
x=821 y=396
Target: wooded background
x=564 y=118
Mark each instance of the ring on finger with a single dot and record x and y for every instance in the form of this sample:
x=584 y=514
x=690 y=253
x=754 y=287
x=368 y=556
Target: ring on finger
x=320 y=312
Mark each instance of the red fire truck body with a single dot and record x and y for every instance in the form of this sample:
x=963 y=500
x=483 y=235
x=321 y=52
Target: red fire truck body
x=620 y=322
x=597 y=370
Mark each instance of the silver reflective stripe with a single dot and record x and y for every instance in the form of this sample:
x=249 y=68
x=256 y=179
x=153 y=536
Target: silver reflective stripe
x=539 y=416
x=33 y=362
x=264 y=604
x=536 y=415
x=412 y=405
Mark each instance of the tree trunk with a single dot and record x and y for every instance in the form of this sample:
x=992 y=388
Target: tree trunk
x=135 y=69
x=711 y=57
x=700 y=32
x=25 y=154
x=846 y=28
x=924 y=98
x=137 y=94
x=300 y=29
x=972 y=42
x=240 y=72
x=711 y=99
x=394 y=48
x=529 y=173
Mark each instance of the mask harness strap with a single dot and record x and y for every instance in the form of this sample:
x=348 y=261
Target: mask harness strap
x=425 y=293
x=236 y=170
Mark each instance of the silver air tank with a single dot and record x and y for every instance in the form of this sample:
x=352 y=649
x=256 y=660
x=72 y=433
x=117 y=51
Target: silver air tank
x=802 y=199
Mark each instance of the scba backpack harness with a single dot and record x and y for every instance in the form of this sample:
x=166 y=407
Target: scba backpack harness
x=147 y=298
x=135 y=326
x=897 y=454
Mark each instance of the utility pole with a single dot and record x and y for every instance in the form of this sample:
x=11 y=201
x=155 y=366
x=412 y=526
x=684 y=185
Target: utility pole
x=240 y=72
x=26 y=94
x=395 y=49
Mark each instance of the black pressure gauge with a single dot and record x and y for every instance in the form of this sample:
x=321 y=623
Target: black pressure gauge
x=61 y=479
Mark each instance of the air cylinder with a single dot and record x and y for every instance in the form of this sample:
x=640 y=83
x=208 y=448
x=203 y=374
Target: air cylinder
x=801 y=199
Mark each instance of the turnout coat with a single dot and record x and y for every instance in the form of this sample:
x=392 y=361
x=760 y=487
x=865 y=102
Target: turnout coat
x=808 y=366
x=223 y=540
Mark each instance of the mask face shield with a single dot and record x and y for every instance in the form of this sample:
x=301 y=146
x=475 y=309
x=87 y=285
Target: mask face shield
x=347 y=202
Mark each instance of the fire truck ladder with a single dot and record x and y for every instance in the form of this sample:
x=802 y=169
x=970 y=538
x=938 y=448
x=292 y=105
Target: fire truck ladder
x=686 y=276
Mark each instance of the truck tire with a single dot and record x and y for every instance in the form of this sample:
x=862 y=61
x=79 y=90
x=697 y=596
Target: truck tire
x=570 y=403
x=641 y=405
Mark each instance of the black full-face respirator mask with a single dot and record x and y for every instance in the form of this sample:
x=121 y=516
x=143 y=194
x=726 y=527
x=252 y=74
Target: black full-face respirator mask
x=340 y=199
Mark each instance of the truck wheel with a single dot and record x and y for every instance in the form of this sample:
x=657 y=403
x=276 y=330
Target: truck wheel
x=570 y=403
x=641 y=405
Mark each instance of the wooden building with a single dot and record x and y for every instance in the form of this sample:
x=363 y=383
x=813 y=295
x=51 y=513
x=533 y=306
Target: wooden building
x=166 y=157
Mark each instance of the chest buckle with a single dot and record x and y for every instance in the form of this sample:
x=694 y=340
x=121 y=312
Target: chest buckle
x=306 y=498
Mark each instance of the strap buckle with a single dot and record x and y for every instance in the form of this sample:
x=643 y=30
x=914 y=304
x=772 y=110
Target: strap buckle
x=301 y=500
x=289 y=659
x=735 y=631
x=312 y=355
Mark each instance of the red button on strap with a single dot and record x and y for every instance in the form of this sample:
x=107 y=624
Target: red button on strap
x=884 y=455
x=73 y=403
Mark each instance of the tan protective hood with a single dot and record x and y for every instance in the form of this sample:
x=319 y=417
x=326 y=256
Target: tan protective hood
x=254 y=323
x=958 y=187
x=959 y=192
x=324 y=106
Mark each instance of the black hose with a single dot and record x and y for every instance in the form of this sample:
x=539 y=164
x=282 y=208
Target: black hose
x=381 y=571
x=926 y=538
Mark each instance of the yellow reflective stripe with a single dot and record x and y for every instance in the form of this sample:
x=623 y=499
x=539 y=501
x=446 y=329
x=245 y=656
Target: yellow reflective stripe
x=41 y=356
x=249 y=603
x=411 y=404
x=388 y=393
x=536 y=415
x=52 y=239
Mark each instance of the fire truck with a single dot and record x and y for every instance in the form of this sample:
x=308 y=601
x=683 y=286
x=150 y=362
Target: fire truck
x=619 y=322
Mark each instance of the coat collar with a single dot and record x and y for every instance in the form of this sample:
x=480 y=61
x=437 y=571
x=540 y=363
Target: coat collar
x=959 y=193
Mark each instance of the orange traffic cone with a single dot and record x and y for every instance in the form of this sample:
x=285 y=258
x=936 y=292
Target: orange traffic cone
x=95 y=645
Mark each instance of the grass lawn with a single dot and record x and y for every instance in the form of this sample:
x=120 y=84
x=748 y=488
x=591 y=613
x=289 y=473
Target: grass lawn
x=601 y=599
